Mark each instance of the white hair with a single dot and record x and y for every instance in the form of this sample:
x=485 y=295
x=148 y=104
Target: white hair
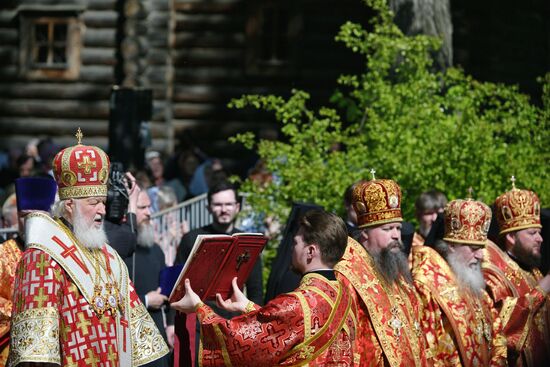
x=468 y=275
x=58 y=209
x=85 y=232
x=146 y=235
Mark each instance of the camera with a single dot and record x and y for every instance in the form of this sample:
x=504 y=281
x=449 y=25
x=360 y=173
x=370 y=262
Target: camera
x=117 y=194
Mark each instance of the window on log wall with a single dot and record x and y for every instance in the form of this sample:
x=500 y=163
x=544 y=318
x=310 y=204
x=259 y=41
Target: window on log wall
x=272 y=31
x=50 y=46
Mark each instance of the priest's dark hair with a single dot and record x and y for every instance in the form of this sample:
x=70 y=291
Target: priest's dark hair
x=328 y=231
x=221 y=186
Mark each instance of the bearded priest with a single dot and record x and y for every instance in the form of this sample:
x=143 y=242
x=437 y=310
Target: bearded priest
x=460 y=322
x=314 y=325
x=516 y=285
x=73 y=302
x=388 y=332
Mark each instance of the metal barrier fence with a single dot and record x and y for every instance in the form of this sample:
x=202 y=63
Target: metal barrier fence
x=172 y=223
x=6 y=233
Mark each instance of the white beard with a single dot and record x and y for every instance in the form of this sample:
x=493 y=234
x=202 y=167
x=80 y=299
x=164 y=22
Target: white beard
x=87 y=234
x=471 y=276
x=146 y=235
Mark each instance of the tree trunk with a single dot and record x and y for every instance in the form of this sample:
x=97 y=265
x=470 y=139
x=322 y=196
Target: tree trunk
x=430 y=17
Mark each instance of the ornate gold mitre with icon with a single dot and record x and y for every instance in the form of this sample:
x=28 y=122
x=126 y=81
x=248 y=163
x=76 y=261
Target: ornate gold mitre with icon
x=467 y=222
x=377 y=202
x=81 y=171
x=517 y=209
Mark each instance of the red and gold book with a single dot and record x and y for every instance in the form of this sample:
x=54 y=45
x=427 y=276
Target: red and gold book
x=215 y=260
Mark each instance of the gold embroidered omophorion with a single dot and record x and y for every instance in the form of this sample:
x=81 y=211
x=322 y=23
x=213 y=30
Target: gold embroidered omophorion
x=55 y=274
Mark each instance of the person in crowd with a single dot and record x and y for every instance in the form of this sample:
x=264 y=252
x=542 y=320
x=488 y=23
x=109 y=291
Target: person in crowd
x=25 y=165
x=515 y=283
x=32 y=194
x=155 y=167
x=461 y=324
x=350 y=215
x=181 y=167
x=224 y=206
x=46 y=152
x=9 y=214
x=251 y=220
x=428 y=205
x=206 y=175
x=314 y=325
x=388 y=331
x=73 y=301
x=145 y=268
x=172 y=230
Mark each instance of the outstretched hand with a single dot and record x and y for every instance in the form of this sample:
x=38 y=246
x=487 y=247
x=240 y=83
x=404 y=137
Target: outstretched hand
x=189 y=302
x=237 y=302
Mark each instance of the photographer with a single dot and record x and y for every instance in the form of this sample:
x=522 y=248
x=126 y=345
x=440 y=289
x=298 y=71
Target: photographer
x=120 y=219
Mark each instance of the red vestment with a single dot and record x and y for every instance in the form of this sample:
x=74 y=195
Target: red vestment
x=9 y=258
x=314 y=324
x=387 y=330
x=53 y=319
x=524 y=308
x=461 y=329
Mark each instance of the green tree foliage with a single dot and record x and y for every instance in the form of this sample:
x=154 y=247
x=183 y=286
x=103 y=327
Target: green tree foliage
x=422 y=127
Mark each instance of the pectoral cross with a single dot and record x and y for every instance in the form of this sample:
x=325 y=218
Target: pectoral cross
x=242 y=258
x=395 y=323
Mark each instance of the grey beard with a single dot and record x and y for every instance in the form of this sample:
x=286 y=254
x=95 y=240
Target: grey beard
x=146 y=235
x=472 y=277
x=392 y=265
x=87 y=235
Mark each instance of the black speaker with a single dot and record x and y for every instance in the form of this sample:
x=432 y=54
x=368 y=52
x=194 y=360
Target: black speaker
x=129 y=132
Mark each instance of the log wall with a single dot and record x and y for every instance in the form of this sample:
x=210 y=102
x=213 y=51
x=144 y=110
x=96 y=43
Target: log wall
x=210 y=63
x=55 y=108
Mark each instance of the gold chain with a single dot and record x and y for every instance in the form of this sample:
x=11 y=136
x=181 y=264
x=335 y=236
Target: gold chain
x=481 y=321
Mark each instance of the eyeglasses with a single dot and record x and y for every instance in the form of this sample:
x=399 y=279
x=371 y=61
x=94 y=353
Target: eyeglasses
x=222 y=205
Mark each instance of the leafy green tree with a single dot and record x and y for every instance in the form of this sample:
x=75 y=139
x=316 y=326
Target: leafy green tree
x=422 y=127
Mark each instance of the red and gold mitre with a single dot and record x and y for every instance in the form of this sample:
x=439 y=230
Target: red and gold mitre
x=517 y=209
x=81 y=171
x=377 y=202
x=467 y=222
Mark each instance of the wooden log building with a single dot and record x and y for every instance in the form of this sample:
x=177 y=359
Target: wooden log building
x=59 y=60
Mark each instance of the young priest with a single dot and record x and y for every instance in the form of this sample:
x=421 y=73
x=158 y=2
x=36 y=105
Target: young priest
x=314 y=324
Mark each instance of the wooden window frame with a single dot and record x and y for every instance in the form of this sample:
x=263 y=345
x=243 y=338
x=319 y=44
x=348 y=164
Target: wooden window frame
x=29 y=68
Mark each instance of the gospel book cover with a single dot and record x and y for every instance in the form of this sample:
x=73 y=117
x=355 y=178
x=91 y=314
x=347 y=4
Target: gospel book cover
x=215 y=260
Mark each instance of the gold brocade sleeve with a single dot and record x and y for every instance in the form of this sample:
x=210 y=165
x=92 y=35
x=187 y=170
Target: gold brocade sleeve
x=35 y=336
x=9 y=257
x=499 y=351
x=516 y=313
x=147 y=343
x=441 y=349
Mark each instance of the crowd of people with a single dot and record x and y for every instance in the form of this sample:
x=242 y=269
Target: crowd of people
x=78 y=292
